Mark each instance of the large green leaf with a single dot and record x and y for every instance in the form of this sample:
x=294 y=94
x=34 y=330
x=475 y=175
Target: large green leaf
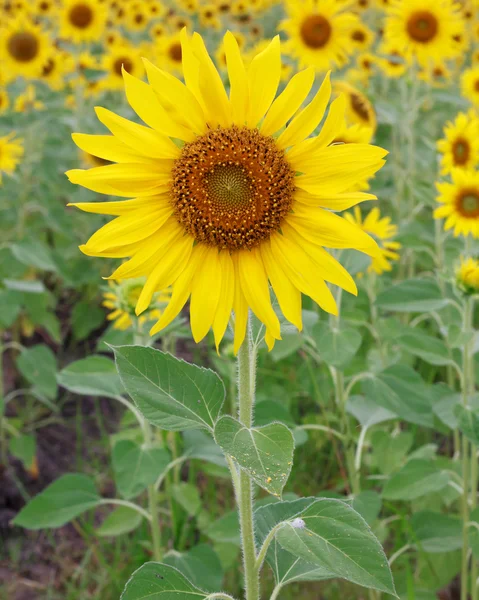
x=157 y=581
x=136 y=468
x=431 y=349
x=200 y=564
x=34 y=253
x=171 y=393
x=121 y=520
x=332 y=535
x=286 y=566
x=39 y=366
x=468 y=422
x=91 y=376
x=434 y=532
x=225 y=529
x=412 y=295
x=63 y=500
x=336 y=346
x=265 y=453
x=86 y=317
x=367 y=412
x=417 y=478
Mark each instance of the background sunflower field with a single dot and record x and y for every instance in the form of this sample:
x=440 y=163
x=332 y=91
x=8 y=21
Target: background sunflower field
x=105 y=469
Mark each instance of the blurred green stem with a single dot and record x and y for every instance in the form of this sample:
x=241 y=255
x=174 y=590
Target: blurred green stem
x=244 y=495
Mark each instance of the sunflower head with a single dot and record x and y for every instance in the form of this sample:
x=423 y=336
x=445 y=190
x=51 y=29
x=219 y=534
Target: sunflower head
x=460 y=146
x=82 y=20
x=359 y=108
x=467 y=275
x=23 y=48
x=11 y=153
x=459 y=202
x=230 y=192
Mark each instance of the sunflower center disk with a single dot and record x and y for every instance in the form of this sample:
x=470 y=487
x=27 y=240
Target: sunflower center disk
x=460 y=152
x=23 y=46
x=122 y=62
x=359 y=107
x=232 y=188
x=81 y=16
x=175 y=52
x=469 y=204
x=316 y=31
x=422 y=27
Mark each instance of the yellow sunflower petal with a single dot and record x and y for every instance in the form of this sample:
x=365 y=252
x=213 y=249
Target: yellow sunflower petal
x=264 y=75
x=108 y=148
x=239 y=90
x=205 y=294
x=225 y=304
x=121 y=207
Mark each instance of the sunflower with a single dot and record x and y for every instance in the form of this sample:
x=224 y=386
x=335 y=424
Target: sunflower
x=4 y=101
x=23 y=48
x=45 y=8
x=319 y=33
x=119 y=57
x=232 y=207
x=424 y=29
x=460 y=145
x=82 y=20
x=137 y=17
x=460 y=203
x=209 y=16
x=470 y=85
x=54 y=69
x=367 y=63
x=358 y=107
x=11 y=152
x=361 y=36
x=28 y=100
x=122 y=297
x=436 y=74
x=392 y=62
x=383 y=232
x=169 y=53
x=467 y=275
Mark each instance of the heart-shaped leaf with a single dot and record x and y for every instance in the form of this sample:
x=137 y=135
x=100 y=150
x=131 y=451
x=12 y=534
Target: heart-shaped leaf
x=265 y=453
x=92 y=376
x=171 y=393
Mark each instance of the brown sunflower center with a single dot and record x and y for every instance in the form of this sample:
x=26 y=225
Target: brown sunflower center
x=316 y=31
x=359 y=106
x=81 y=16
x=139 y=18
x=23 y=46
x=232 y=187
x=175 y=52
x=476 y=85
x=358 y=36
x=461 y=151
x=422 y=26
x=124 y=62
x=48 y=67
x=468 y=203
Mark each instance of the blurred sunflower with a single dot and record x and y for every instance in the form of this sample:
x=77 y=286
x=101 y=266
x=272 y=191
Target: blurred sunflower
x=470 y=85
x=361 y=36
x=23 y=48
x=358 y=107
x=460 y=146
x=11 y=153
x=423 y=29
x=233 y=207
x=209 y=16
x=383 y=232
x=121 y=299
x=137 y=17
x=169 y=53
x=82 y=20
x=392 y=62
x=118 y=57
x=460 y=203
x=45 y=8
x=319 y=33
x=467 y=275
x=28 y=100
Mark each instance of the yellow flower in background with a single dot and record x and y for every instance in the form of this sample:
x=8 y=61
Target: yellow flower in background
x=424 y=29
x=45 y=8
x=460 y=203
x=11 y=153
x=137 y=17
x=122 y=298
x=361 y=36
x=467 y=275
x=436 y=74
x=82 y=20
x=460 y=146
x=118 y=57
x=28 y=100
x=209 y=16
x=319 y=33
x=392 y=62
x=470 y=85
x=354 y=134
x=23 y=48
x=383 y=232
x=232 y=208
x=169 y=53
x=359 y=109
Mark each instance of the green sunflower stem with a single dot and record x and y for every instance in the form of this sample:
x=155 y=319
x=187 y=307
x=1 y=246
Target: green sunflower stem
x=244 y=492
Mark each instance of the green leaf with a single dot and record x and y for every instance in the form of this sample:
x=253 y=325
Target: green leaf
x=332 y=535
x=92 y=376
x=468 y=422
x=390 y=451
x=417 y=478
x=120 y=521
x=34 y=253
x=23 y=447
x=200 y=564
x=9 y=301
x=429 y=348
x=336 y=345
x=86 y=317
x=171 y=393
x=157 y=581
x=435 y=532
x=399 y=389
x=288 y=345
x=39 y=366
x=368 y=505
x=63 y=500
x=136 y=468
x=265 y=453
x=367 y=412
x=187 y=496
x=225 y=529
x=474 y=533
x=200 y=445
x=412 y=295
x=286 y=566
